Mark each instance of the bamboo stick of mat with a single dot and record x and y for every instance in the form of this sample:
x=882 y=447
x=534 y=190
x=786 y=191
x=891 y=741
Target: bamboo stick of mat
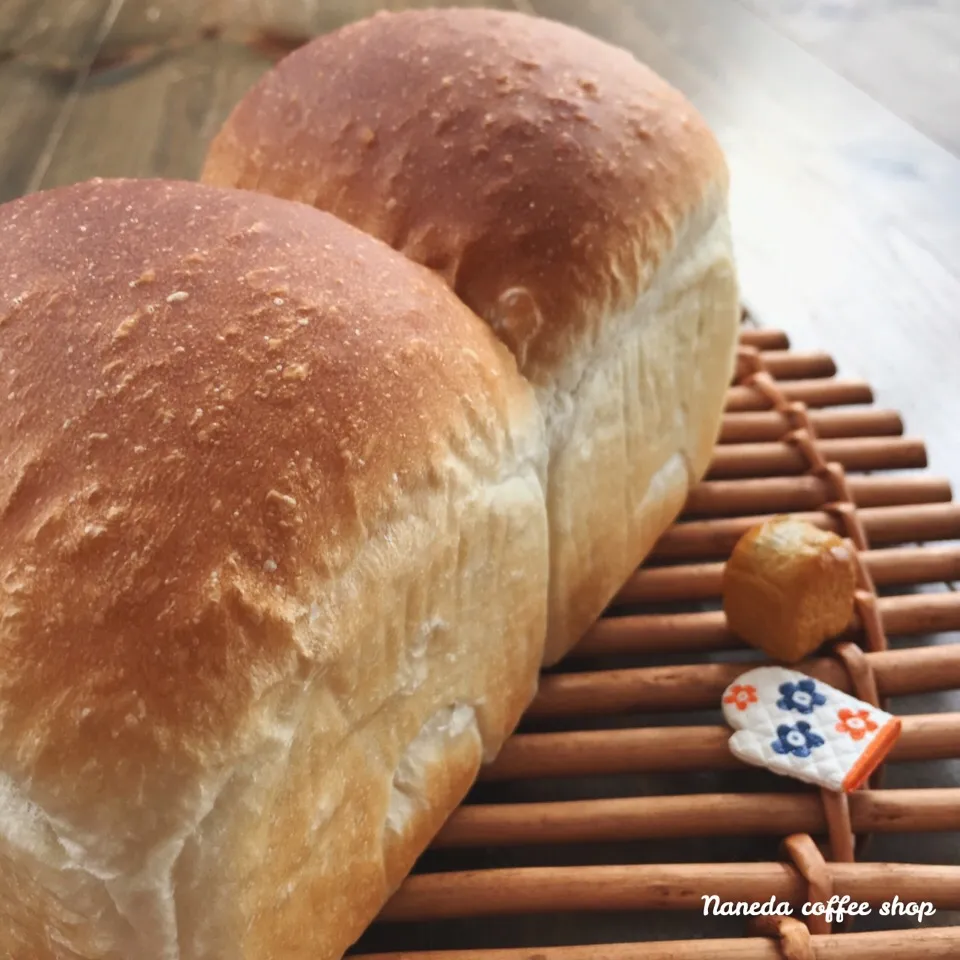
x=831 y=392
x=700 y=686
x=782 y=494
x=584 y=753
x=937 y=943
x=772 y=425
x=764 y=339
x=790 y=365
x=734 y=460
x=615 y=820
x=708 y=539
x=698 y=632
x=524 y=890
x=704 y=581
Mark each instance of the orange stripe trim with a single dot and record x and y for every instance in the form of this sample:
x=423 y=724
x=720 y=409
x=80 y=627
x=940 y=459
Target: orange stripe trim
x=871 y=758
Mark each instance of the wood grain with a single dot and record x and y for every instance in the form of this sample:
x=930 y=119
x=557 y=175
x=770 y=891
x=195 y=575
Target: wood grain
x=170 y=85
x=311 y=17
x=904 y=54
x=53 y=42
x=153 y=118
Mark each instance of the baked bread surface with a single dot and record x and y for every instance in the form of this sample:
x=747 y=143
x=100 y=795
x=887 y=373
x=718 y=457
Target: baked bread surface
x=572 y=199
x=788 y=586
x=273 y=550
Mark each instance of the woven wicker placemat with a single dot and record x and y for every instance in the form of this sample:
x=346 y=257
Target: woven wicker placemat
x=622 y=760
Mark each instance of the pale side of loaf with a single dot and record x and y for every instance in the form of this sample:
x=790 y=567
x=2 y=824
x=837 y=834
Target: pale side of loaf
x=573 y=200
x=273 y=550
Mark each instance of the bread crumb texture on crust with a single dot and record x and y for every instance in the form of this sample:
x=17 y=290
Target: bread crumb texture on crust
x=543 y=172
x=228 y=419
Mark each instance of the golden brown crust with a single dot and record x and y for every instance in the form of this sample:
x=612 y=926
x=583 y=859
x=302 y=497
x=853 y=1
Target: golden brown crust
x=789 y=586
x=147 y=439
x=543 y=172
x=218 y=409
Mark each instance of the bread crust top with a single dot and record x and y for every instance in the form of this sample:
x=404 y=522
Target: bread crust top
x=212 y=400
x=542 y=172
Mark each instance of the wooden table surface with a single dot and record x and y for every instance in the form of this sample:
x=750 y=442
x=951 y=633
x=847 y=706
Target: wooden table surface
x=840 y=119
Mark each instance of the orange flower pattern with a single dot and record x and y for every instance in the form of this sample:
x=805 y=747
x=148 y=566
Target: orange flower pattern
x=856 y=723
x=741 y=696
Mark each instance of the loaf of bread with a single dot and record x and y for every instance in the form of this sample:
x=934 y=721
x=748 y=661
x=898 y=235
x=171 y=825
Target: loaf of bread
x=273 y=548
x=574 y=201
x=789 y=586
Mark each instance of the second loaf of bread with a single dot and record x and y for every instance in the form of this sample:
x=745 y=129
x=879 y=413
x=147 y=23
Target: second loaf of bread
x=572 y=199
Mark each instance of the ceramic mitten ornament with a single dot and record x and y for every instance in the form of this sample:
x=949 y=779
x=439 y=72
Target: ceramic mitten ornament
x=799 y=727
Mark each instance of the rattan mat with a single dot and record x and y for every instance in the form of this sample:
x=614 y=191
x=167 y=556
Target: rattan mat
x=618 y=807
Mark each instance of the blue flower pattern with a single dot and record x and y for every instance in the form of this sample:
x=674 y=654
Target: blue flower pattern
x=802 y=696
x=798 y=739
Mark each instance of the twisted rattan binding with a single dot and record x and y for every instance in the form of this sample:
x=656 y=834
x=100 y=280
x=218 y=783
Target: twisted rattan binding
x=803 y=433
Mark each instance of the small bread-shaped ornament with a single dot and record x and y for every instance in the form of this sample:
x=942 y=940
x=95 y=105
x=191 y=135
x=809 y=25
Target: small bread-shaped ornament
x=799 y=727
x=788 y=587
